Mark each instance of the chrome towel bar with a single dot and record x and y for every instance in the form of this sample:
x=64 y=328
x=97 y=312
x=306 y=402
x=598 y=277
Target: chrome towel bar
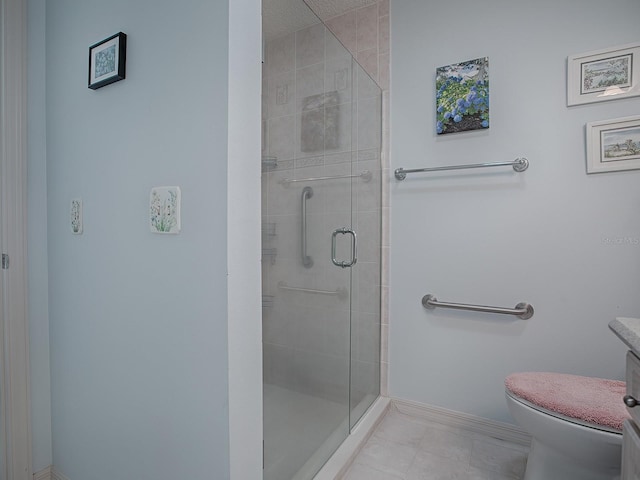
x=519 y=165
x=365 y=175
x=523 y=310
x=340 y=292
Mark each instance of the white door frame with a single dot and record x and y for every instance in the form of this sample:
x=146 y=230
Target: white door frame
x=15 y=405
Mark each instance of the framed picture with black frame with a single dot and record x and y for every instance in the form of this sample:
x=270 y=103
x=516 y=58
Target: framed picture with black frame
x=107 y=61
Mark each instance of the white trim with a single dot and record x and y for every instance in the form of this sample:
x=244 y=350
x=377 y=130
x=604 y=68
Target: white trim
x=45 y=474
x=492 y=428
x=13 y=162
x=244 y=314
x=56 y=475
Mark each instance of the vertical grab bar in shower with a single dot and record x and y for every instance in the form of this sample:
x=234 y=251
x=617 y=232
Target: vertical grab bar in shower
x=307 y=193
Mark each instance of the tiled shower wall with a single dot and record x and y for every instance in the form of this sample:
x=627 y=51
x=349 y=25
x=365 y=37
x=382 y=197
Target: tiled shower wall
x=365 y=33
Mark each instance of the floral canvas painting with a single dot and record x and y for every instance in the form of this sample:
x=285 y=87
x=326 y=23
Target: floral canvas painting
x=462 y=97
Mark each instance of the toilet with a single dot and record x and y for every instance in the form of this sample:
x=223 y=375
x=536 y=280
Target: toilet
x=575 y=423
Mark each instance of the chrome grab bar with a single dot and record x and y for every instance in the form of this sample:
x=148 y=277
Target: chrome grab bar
x=523 y=310
x=354 y=247
x=519 y=165
x=365 y=175
x=307 y=261
x=341 y=292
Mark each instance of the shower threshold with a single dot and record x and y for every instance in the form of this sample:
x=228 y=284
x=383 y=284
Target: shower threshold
x=287 y=408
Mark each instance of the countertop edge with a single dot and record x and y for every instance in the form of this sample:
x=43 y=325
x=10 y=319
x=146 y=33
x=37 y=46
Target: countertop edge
x=627 y=330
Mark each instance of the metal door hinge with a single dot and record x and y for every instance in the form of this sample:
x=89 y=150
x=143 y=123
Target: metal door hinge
x=5 y=261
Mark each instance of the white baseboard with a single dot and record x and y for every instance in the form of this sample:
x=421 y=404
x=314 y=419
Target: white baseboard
x=49 y=473
x=56 y=475
x=45 y=474
x=492 y=428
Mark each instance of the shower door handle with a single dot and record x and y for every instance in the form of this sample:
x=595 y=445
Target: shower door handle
x=354 y=247
x=307 y=261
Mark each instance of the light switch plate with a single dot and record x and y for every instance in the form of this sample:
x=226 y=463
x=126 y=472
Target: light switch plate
x=164 y=210
x=76 y=216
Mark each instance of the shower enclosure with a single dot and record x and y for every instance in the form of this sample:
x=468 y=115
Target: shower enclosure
x=321 y=214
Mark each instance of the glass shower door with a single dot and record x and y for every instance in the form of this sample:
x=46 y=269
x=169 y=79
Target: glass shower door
x=307 y=225
x=321 y=244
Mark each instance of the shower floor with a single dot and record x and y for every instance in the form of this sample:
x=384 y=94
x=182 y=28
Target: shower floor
x=301 y=432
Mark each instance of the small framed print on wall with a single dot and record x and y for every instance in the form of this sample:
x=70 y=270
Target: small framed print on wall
x=107 y=61
x=602 y=75
x=613 y=145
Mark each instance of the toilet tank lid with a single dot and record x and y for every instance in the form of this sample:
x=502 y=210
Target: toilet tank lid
x=592 y=400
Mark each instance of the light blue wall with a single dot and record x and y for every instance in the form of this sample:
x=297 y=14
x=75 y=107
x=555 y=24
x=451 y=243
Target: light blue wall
x=138 y=322
x=499 y=238
x=37 y=240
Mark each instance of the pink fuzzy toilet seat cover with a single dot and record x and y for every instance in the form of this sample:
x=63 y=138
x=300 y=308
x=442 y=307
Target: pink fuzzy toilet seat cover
x=592 y=400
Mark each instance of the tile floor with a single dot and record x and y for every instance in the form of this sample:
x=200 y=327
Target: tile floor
x=410 y=448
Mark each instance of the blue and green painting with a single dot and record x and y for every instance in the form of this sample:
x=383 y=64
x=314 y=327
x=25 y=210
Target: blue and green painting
x=462 y=98
x=105 y=61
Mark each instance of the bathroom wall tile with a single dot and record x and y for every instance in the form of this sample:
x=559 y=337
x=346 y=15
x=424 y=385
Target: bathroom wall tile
x=368 y=287
x=334 y=47
x=383 y=34
x=366 y=337
x=383 y=71
x=337 y=324
x=287 y=236
x=342 y=157
x=387 y=176
x=368 y=122
x=385 y=264
x=281 y=131
x=384 y=320
x=365 y=87
x=338 y=128
x=265 y=93
x=368 y=191
x=383 y=8
x=337 y=192
x=369 y=61
x=311 y=331
x=280 y=54
x=367 y=27
x=368 y=227
x=281 y=200
x=338 y=78
x=386 y=130
x=277 y=364
x=281 y=95
x=309 y=82
x=384 y=379
x=344 y=27
x=310 y=45
x=384 y=343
